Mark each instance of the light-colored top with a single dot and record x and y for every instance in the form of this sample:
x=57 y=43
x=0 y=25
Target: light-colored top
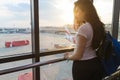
x=86 y=31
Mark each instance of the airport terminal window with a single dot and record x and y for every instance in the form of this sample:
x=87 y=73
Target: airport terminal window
x=105 y=10
x=15 y=28
x=52 y=35
x=53 y=17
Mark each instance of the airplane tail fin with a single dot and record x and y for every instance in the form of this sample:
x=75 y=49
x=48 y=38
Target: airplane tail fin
x=69 y=35
x=67 y=30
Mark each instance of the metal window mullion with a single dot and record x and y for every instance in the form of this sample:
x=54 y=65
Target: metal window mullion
x=92 y=1
x=115 y=20
x=35 y=36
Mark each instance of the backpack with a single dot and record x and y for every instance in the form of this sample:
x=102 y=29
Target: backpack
x=109 y=54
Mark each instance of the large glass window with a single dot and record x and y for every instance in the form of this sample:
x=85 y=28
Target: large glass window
x=55 y=19
x=15 y=28
x=105 y=11
x=54 y=16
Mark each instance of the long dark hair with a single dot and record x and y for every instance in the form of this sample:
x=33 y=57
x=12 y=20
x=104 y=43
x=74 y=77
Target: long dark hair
x=91 y=16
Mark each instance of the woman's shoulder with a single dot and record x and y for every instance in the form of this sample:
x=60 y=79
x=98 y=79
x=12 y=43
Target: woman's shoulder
x=85 y=26
x=85 y=30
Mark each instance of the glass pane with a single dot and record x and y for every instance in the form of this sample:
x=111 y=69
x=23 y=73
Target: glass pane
x=15 y=29
x=119 y=29
x=16 y=75
x=105 y=10
x=21 y=75
x=57 y=71
x=50 y=57
x=15 y=64
x=54 y=16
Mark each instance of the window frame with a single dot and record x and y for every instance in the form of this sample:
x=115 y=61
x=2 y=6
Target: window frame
x=115 y=19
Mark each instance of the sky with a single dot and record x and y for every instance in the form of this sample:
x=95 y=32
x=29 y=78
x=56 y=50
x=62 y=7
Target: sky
x=16 y=13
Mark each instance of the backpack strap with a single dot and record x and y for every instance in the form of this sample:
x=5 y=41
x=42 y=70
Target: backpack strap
x=104 y=50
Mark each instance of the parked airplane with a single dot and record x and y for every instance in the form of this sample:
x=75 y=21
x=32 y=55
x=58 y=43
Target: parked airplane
x=16 y=43
x=70 y=37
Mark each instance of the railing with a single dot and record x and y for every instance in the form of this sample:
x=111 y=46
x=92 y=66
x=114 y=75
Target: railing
x=6 y=71
x=11 y=58
x=16 y=57
x=114 y=76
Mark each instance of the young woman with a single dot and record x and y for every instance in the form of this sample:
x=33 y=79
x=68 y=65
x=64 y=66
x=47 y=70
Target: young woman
x=90 y=33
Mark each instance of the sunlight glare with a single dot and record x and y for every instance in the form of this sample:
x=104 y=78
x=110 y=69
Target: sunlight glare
x=66 y=8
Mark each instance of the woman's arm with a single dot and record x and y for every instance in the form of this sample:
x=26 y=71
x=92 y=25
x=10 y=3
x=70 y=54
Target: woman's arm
x=78 y=51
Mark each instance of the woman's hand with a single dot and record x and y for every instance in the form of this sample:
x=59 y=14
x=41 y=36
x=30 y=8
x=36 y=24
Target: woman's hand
x=66 y=55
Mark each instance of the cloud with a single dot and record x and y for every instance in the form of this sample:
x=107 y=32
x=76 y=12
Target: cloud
x=14 y=12
x=12 y=2
x=21 y=7
x=51 y=12
x=48 y=13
